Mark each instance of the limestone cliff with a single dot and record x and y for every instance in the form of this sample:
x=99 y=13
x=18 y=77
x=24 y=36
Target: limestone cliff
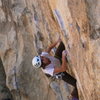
x=28 y=26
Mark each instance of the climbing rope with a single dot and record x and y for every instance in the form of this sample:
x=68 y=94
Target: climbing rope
x=16 y=83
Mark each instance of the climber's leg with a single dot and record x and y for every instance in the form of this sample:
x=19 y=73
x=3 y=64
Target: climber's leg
x=75 y=93
x=72 y=81
x=74 y=98
x=58 y=53
x=69 y=79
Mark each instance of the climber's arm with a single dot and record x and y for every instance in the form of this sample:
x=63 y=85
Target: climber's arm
x=63 y=66
x=52 y=45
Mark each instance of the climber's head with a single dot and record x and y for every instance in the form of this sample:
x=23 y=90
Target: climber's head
x=45 y=61
x=36 y=62
x=40 y=61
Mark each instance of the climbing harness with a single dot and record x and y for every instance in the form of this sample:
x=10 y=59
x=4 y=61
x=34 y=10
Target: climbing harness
x=59 y=75
x=56 y=76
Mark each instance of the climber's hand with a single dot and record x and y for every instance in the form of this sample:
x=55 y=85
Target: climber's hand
x=64 y=53
x=53 y=45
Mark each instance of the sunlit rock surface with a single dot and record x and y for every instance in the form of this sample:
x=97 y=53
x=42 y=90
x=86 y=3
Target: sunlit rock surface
x=28 y=26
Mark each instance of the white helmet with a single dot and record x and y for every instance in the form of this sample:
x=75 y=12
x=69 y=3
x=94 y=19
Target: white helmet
x=36 y=62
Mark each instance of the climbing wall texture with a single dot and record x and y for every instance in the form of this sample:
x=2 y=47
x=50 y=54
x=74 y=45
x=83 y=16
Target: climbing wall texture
x=29 y=26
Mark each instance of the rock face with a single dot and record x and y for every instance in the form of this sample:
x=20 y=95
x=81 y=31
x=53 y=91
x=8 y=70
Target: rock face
x=5 y=94
x=28 y=26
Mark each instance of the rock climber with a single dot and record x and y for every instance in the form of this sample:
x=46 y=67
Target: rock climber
x=55 y=66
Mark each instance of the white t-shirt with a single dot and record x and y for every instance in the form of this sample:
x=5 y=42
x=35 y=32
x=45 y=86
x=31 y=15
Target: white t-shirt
x=49 y=69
